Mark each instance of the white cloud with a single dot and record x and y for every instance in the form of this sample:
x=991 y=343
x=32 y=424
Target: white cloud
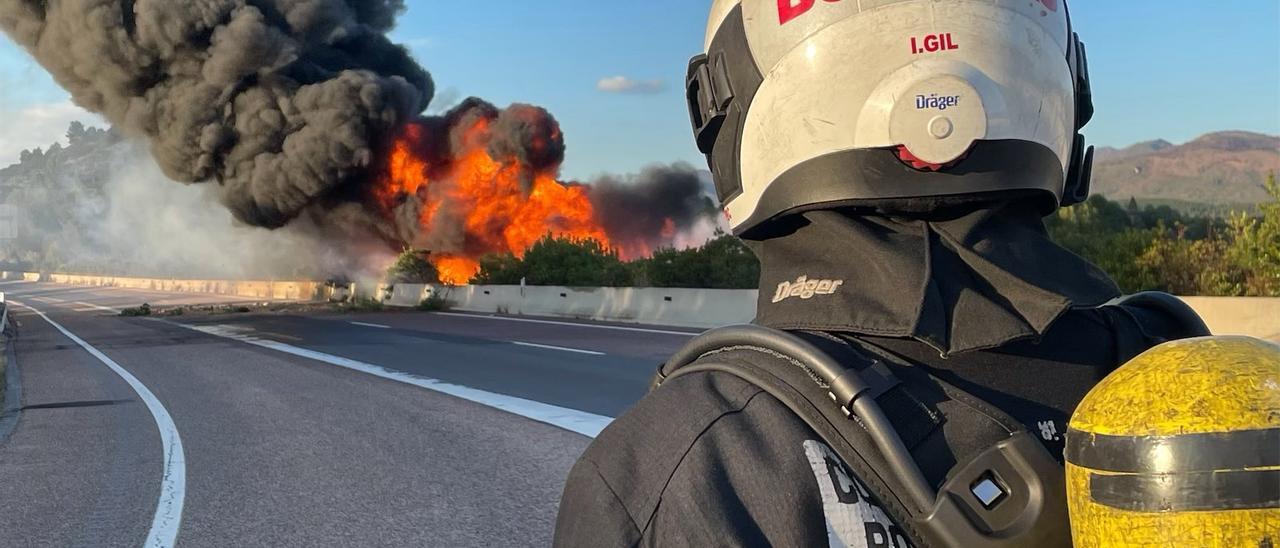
x=40 y=126
x=622 y=84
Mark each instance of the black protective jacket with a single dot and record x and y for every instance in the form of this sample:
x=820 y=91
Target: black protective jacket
x=710 y=460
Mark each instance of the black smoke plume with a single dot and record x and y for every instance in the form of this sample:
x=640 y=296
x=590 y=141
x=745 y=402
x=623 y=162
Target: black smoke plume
x=654 y=206
x=280 y=101
x=293 y=106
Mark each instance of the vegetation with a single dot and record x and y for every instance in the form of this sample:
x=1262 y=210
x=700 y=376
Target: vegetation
x=500 y=269
x=435 y=303
x=557 y=261
x=722 y=263
x=1158 y=248
x=412 y=267
x=1202 y=209
x=144 y=310
x=1142 y=248
x=363 y=304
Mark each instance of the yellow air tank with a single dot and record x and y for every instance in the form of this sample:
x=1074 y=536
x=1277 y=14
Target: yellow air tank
x=1180 y=448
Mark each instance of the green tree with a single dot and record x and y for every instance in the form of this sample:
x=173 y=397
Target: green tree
x=1182 y=266
x=500 y=269
x=1100 y=231
x=75 y=133
x=412 y=267
x=572 y=262
x=722 y=263
x=1255 y=245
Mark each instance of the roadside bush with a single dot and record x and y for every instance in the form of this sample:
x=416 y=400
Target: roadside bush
x=1255 y=245
x=722 y=263
x=500 y=269
x=557 y=261
x=577 y=263
x=144 y=310
x=435 y=303
x=364 y=304
x=412 y=267
x=1157 y=248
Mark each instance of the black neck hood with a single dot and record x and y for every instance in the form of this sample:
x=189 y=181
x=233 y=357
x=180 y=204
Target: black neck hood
x=975 y=279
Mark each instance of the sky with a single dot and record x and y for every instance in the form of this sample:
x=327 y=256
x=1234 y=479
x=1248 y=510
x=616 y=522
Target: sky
x=612 y=72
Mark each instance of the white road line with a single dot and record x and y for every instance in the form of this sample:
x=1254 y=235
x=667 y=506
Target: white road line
x=549 y=322
x=377 y=325
x=560 y=348
x=173 y=481
x=90 y=307
x=48 y=300
x=587 y=424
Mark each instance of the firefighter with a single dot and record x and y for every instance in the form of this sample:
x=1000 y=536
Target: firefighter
x=890 y=163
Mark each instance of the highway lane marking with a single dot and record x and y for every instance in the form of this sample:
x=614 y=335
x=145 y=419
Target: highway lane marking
x=560 y=348
x=48 y=300
x=245 y=330
x=90 y=307
x=375 y=325
x=582 y=422
x=173 y=480
x=550 y=322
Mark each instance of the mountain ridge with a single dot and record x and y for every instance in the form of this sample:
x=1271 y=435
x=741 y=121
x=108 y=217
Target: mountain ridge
x=1220 y=168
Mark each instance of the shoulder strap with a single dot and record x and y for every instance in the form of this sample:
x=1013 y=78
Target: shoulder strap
x=1149 y=319
x=1172 y=317
x=1007 y=491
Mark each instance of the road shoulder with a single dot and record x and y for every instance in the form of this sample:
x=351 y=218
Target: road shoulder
x=10 y=385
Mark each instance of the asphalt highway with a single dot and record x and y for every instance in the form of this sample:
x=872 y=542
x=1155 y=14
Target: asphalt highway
x=376 y=429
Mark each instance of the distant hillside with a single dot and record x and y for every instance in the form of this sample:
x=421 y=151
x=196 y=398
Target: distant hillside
x=1226 y=168
x=59 y=195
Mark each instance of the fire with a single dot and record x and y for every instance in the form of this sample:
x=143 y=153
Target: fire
x=454 y=269
x=500 y=204
x=404 y=169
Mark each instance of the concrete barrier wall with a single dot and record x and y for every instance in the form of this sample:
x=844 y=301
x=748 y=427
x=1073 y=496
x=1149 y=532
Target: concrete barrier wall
x=676 y=307
x=407 y=295
x=20 y=276
x=1252 y=316
x=269 y=290
x=1256 y=317
x=686 y=307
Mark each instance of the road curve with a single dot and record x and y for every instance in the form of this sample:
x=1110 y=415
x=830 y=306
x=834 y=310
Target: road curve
x=286 y=450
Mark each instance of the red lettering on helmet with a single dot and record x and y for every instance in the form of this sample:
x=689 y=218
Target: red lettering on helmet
x=933 y=43
x=791 y=9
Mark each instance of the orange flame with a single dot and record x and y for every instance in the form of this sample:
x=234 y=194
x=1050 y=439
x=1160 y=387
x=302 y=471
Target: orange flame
x=454 y=269
x=405 y=171
x=486 y=197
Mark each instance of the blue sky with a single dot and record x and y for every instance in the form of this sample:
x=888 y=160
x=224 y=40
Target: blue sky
x=1171 y=69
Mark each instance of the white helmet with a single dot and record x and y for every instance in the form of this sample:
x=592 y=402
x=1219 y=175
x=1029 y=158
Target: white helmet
x=808 y=104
